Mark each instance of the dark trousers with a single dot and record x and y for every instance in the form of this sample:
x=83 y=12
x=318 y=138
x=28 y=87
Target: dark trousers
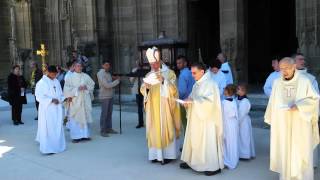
x=37 y=103
x=139 y=101
x=16 y=111
x=106 y=115
x=184 y=121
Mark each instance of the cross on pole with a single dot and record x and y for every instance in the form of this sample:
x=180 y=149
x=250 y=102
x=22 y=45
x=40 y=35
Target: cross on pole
x=43 y=52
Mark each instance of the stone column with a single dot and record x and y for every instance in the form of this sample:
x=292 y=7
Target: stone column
x=308 y=32
x=233 y=36
x=12 y=40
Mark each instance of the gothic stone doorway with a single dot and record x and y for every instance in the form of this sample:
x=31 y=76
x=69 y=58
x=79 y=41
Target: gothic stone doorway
x=271 y=32
x=203 y=29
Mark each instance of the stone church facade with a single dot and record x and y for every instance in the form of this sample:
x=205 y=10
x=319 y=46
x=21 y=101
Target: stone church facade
x=249 y=32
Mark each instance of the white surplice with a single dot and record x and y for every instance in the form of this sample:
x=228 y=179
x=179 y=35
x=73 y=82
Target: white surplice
x=267 y=88
x=76 y=131
x=246 y=142
x=68 y=74
x=316 y=87
x=294 y=134
x=80 y=108
x=231 y=133
x=169 y=152
x=225 y=68
x=50 y=132
x=203 y=142
x=221 y=81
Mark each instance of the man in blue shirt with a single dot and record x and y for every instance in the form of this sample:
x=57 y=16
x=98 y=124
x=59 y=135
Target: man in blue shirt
x=185 y=84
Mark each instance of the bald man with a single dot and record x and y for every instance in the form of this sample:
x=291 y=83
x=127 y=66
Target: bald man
x=292 y=113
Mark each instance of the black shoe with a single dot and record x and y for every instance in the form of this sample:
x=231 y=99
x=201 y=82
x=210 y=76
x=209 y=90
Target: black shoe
x=139 y=126
x=36 y=118
x=184 y=166
x=85 y=139
x=111 y=131
x=154 y=161
x=15 y=123
x=76 y=140
x=211 y=173
x=166 y=161
x=244 y=159
x=20 y=122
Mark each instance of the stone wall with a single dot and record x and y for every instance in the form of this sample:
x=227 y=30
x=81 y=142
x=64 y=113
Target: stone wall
x=308 y=32
x=4 y=41
x=113 y=30
x=135 y=21
x=233 y=37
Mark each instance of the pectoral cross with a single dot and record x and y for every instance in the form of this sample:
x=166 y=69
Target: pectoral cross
x=43 y=52
x=289 y=90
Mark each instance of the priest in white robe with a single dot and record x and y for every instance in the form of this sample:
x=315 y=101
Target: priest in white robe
x=292 y=112
x=267 y=88
x=218 y=76
x=203 y=143
x=225 y=68
x=162 y=111
x=49 y=94
x=300 y=65
x=78 y=88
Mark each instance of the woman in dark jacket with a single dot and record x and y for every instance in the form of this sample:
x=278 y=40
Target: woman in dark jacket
x=16 y=92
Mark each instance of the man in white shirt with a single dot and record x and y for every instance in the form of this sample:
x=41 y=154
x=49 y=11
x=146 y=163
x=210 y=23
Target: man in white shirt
x=267 y=88
x=225 y=68
x=218 y=76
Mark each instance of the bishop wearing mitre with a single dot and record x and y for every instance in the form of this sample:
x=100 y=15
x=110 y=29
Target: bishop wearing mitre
x=292 y=113
x=162 y=111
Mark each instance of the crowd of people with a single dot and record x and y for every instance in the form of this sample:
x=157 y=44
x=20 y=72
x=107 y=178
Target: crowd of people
x=215 y=116
x=201 y=107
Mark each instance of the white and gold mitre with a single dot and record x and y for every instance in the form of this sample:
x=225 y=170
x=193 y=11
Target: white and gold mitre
x=153 y=54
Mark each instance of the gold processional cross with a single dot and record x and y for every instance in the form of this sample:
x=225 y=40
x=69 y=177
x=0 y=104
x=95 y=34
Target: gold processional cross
x=43 y=52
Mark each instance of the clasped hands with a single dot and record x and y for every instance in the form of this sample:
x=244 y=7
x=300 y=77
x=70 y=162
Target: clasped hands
x=293 y=108
x=115 y=78
x=55 y=101
x=82 y=88
x=187 y=102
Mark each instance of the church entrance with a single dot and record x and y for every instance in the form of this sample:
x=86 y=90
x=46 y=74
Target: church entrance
x=203 y=29
x=271 y=33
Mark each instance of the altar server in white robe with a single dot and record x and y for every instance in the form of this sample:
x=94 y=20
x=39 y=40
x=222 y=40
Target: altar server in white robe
x=203 y=143
x=292 y=112
x=225 y=68
x=78 y=89
x=301 y=67
x=231 y=128
x=246 y=142
x=267 y=88
x=49 y=94
x=218 y=76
